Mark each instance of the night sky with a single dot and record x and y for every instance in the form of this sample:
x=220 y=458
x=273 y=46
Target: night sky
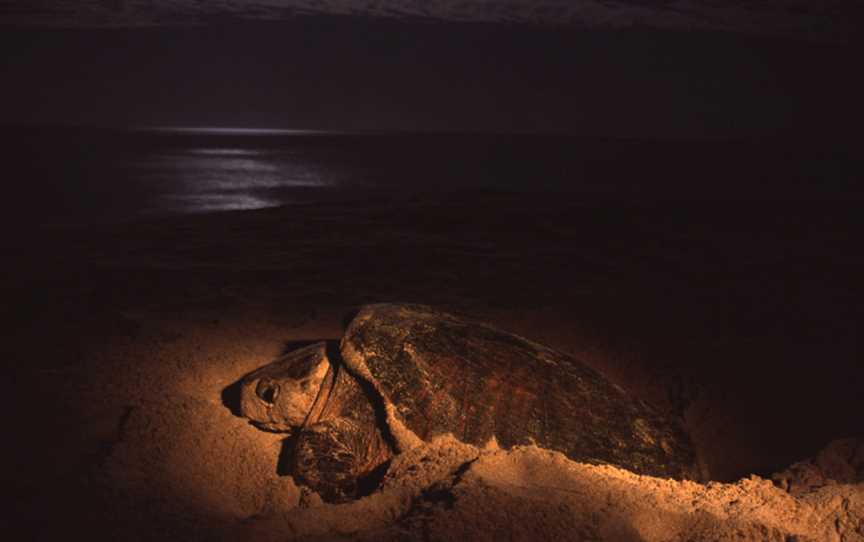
x=628 y=68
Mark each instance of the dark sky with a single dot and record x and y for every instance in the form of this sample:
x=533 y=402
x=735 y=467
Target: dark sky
x=823 y=19
x=629 y=68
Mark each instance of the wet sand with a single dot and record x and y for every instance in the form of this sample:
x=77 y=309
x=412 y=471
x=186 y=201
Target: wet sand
x=741 y=317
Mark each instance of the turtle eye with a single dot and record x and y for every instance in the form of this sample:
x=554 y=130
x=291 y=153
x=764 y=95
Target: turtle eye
x=267 y=390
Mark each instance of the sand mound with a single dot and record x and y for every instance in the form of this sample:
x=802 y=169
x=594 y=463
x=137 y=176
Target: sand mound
x=450 y=491
x=841 y=462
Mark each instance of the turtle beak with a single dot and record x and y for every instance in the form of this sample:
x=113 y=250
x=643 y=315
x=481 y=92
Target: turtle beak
x=273 y=427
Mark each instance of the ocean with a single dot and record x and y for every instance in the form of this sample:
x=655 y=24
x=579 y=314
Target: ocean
x=96 y=175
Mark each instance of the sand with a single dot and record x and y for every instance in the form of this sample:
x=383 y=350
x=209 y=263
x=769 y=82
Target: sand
x=123 y=342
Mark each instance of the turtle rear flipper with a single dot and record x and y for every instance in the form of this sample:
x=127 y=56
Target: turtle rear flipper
x=335 y=456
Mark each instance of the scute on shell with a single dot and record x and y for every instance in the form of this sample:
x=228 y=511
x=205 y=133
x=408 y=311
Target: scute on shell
x=448 y=374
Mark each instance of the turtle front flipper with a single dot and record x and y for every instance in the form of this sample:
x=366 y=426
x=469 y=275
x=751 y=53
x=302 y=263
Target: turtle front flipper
x=334 y=457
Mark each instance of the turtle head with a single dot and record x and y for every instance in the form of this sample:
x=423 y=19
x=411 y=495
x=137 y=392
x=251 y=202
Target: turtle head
x=279 y=396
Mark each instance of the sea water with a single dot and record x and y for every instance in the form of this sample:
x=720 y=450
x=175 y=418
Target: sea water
x=99 y=175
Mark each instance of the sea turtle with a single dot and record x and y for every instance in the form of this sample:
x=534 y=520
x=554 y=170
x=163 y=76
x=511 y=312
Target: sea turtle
x=406 y=373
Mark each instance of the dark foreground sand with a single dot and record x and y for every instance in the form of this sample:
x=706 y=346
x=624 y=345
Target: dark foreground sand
x=121 y=343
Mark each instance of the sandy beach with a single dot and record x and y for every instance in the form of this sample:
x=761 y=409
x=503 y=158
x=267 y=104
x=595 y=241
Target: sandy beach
x=122 y=341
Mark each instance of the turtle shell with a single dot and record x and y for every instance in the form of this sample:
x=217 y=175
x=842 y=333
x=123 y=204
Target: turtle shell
x=443 y=373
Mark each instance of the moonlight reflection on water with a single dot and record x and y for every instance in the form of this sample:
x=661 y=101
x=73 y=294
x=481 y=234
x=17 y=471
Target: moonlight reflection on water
x=217 y=179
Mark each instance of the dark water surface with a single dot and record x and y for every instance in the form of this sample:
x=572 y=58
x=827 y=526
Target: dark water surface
x=101 y=175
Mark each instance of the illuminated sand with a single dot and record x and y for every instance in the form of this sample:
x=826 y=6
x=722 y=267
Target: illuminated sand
x=185 y=464
x=122 y=344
